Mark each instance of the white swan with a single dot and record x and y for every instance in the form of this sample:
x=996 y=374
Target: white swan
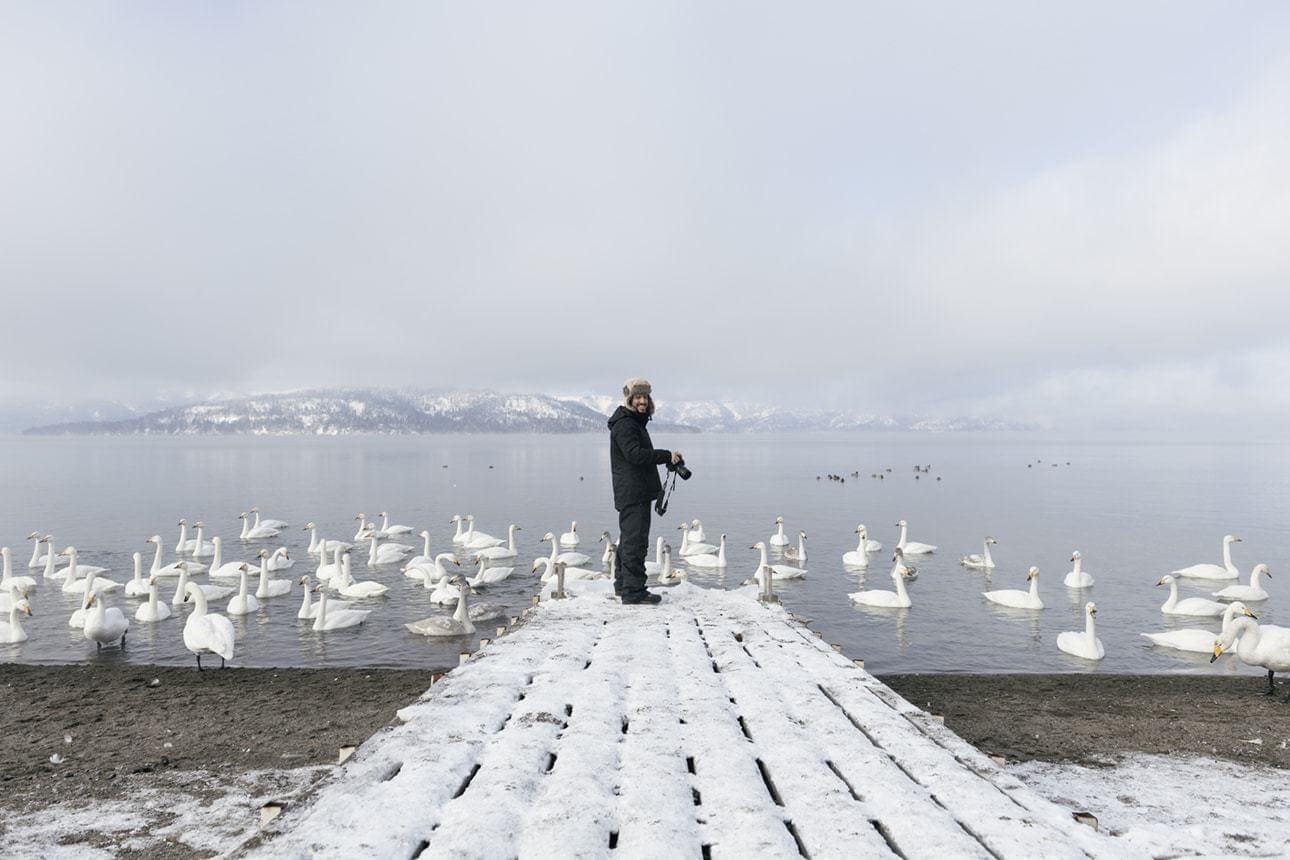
x=1195 y=639
x=270 y=587
x=74 y=569
x=174 y=568
x=308 y=609
x=1015 y=597
x=137 y=587
x=252 y=532
x=207 y=632
x=104 y=625
x=433 y=572
x=280 y=559
x=477 y=540
x=778 y=538
x=1083 y=644
x=797 y=555
x=1260 y=645
x=24 y=584
x=267 y=522
x=457 y=624
x=608 y=540
x=75 y=582
x=570 y=573
x=221 y=569
x=898 y=599
x=983 y=561
x=181 y=545
x=499 y=552
x=911 y=547
x=488 y=575
x=349 y=588
x=1226 y=570
x=696 y=531
x=570 y=558
x=1076 y=577
x=1190 y=606
x=327 y=572
x=898 y=556
x=458 y=520
x=650 y=566
x=858 y=557
x=199 y=547
x=77 y=619
x=708 y=559
x=426 y=557
x=777 y=571
x=385 y=553
x=152 y=611
x=447 y=591
x=321 y=546
x=865 y=542
x=328 y=618
x=12 y=633
x=38 y=558
x=690 y=547
x=1251 y=592
x=9 y=598
x=243 y=603
x=570 y=539
x=210 y=592
x=395 y=529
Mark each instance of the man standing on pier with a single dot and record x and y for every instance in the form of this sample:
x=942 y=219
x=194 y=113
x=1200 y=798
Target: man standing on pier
x=634 y=463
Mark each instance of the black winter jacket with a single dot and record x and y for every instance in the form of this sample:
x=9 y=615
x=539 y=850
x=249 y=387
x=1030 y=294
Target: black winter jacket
x=633 y=459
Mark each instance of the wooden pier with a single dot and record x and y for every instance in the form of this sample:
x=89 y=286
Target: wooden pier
x=711 y=726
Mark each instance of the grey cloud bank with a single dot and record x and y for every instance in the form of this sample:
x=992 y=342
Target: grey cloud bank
x=1069 y=217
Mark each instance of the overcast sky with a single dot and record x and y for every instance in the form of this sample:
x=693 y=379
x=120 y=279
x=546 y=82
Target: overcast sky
x=1076 y=214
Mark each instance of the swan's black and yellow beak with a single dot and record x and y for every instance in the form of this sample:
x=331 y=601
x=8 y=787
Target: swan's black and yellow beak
x=1218 y=651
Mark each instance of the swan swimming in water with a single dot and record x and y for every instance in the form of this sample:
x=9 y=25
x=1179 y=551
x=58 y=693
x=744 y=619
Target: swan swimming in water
x=1226 y=570
x=349 y=588
x=388 y=553
x=38 y=559
x=308 y=609
x=75 y=582
x=570 y=558
x=488 y=575
x=1085 y=644
x=689 y=547
x=280 y=559
x=251 y=532
x=457 y=624
x=1016 y=598
x=797 y=555
x=322 y=546
x=1077 y=578
x=778 y=538
x=24 y=584
x=708 y=559
x=911 y=547
x=270 y=587
x=777 y=571
x=1191 y=605
x=243 y=603
x=898 y=599
x=858 y=557
x=152 y=611
x=328 y=618
x=1251 y=592
x=104 y=625
x=1197 y=640
x=431 y=573
x=267 y=522
x=137 y=587
x=1259 y=645
x=210 y=592
x=206 y=632
x=982 y=561
x=570 y=539
x=393 y=530
x=497 y=553
x=174 y=568
x=477 y=540
x=12 y=632
x=199 y=547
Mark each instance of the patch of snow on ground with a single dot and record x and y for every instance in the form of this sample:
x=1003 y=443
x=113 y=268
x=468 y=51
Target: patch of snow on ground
x=1162 y=806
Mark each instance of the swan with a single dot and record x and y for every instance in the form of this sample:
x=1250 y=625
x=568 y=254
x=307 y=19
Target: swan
x=1077 y=578
x=608 y=540
x=210 y=592
x=777 y=571
x=103 y=626
x=457 y=520
x=497 y=553
x=328 y=618
x=1253 y=591
x=570 y=539
x=457 y=624
x=911 y=573
x=1015 y=597
x=689 y=547
x=75 y=582
x=199 y=547
x=221 y=569
x=447 y=591
x=982 y=561
x=385 y=553
x=280 y=559
x=152 y=611
x=912 y=547
x=650 y=566
x=137 y=587
x=268 y=523
x=174 y=568
x=570 y=558
x=74 y=569
x=321 y=546
x=393 y=530
x=898 y=599
x=484 y=611
x=696 y=531
x=488 y=575
x=858 y=557
x=799 y=554
x=425 y=557
x=366 y=529
x=270 y=587
x=349 y=588
x=181 y=545
x=77 y=618
x=708 y=559
x=779 y=538
x=24 y=584
x=309 y=609
x=38 y=559
x=243 y=603
x=12 y=632
x=429 y=574
x=477 y=540
x=252 y=532
x=206 y=632
x=1260 y=645
x=865 y=543
x=1191 y=606
x=326 y=572
x=1086 y=644
x=1226 y=570
x=1195 y=639
x=570 y=573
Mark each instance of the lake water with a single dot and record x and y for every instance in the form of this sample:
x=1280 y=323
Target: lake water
x=1135 y=509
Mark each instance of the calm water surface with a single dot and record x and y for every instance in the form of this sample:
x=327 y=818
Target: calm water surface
x=1135 y=508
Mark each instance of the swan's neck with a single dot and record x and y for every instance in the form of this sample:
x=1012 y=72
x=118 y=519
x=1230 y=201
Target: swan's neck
x=779 y=530
x=385 y=522
x=313 y=540
x=461 y=613
x=320 y=621
x=138 y=568
x=246 y=527
x=181 y=589
x=218 y=560
x=15 y=626
x=1090 y=633
x=555 y=551
x=371 y=553
x=510 y=534
x=425 y=549
x=89 y=589
x=35 y=555
x=1173 y=594
x=721 y=552
x=183 y=537
x=264 y=572
x=985 y=555
x=860 y=544
x=152 y=598
x=8 y=564
x=801 y=548
x=470 y=530
x=156 y=559
x=201 y=529
x=1079 y=565
x=904 y=530
x=241 y=590
x=308 y=599
x=457 y=534
x=1034 y=586
x=658 y=549
x=900 y=586
x=199 y=597
x=344 y=570
x=49 y=560
x=1227 y=555
x=71 y=566
x=257 y=520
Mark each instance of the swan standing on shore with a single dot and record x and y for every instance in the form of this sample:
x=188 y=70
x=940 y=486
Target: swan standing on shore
x=1016 y=598
x=982 y=561
x=1226 y=570
x=1250 y=592
x=457 y=624
x=1191 y=605
x=1077 y=578
x=898 y=599
x=152 y=611
x=103 y=626
x=777 y=571
x=778 y=538
x=206 y=632
x=329 y=618
x=912 y=547
x=708 y=559
x=11 y=633
x=1259 y=645
x=1194 y=639
x=1085 y=644
x=570 y=539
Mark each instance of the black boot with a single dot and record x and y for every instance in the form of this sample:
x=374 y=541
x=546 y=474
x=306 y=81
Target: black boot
x=644 y=598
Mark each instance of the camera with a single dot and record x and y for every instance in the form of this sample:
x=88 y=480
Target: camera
x=680 y=469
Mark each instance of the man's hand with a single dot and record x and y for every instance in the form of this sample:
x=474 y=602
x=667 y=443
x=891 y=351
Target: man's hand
x=676 y=457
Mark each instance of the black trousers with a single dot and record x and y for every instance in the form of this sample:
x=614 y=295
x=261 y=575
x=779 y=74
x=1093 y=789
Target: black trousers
x=633 y=544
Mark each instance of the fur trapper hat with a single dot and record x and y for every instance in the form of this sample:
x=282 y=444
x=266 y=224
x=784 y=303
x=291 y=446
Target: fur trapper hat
x=635 y=386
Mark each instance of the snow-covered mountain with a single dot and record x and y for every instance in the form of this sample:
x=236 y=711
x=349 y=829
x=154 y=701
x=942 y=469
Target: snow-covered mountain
x=334 y=412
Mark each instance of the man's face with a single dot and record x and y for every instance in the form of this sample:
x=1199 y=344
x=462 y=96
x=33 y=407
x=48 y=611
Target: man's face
x=640 y=402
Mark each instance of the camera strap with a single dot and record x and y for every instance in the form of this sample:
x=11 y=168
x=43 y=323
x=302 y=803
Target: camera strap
x=660 y=505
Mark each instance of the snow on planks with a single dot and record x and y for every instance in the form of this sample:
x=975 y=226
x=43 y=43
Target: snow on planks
x=711 y=726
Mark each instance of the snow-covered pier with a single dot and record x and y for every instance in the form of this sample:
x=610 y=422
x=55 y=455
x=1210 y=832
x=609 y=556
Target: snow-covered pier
x=709 y=726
